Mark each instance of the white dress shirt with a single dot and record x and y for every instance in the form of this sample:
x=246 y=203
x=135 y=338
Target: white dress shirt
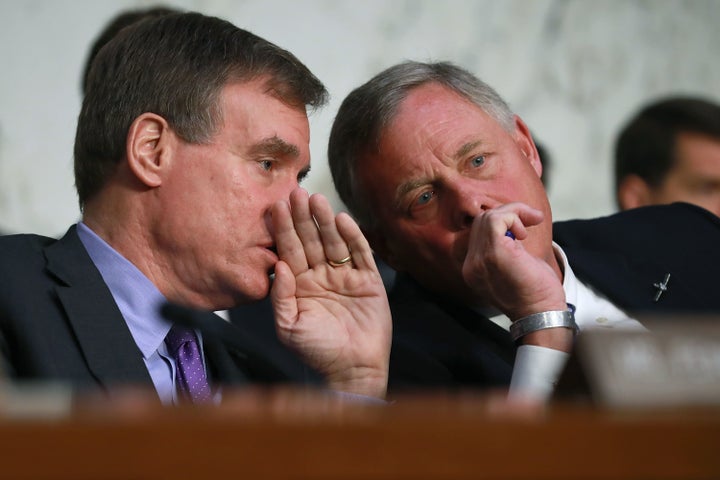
x=537 y=369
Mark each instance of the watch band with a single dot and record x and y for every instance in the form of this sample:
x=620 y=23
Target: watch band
x=541 y=321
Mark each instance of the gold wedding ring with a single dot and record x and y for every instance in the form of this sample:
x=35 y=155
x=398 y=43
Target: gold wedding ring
x=340 y=263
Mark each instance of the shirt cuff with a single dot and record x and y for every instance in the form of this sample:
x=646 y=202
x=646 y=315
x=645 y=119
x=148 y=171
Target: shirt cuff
x=536 y=371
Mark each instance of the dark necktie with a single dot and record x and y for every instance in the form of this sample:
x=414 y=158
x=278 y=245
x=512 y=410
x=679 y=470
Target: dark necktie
x=191 y=380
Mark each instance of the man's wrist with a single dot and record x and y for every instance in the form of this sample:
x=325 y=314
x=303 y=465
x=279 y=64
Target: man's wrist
x=368 y=384
x=543 y=320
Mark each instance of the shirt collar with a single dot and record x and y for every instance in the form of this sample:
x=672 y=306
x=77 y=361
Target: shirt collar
x=593 y=309
x=570 y=281
x=136 y=296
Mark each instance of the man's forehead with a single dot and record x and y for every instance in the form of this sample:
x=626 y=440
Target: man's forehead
x=389 y=177
x=433 y=95
x=252 y=103
x=263 y=87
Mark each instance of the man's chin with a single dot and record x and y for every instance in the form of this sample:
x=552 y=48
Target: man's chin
x=254 y=292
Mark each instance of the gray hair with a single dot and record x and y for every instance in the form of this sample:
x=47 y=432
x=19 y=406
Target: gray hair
x=370 y=108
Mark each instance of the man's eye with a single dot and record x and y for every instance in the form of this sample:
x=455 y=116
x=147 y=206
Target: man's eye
x=302 y=175
x=266 y=165
x=425 y=197
x=477 y=161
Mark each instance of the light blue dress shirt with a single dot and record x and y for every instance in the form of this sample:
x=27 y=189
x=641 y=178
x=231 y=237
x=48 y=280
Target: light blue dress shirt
x=139 y=301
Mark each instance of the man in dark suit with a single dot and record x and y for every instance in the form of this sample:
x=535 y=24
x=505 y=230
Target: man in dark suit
x=445 y=182
x=191 y=141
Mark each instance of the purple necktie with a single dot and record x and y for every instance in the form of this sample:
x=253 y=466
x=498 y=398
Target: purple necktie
x=191 y=380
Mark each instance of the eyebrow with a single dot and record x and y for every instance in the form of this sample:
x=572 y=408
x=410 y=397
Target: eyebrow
x=466 y=148
x=274 y=146
x=405 y=188
x=408 y=187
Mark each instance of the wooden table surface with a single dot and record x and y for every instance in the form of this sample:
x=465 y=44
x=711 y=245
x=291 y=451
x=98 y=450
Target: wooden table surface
x=293 y=434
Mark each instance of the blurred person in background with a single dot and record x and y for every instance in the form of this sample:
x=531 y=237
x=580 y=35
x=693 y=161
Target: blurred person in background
x=670 y=152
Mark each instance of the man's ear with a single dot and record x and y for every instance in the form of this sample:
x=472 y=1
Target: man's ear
x=147 y=148
x=633 y=192
x=379 y=244
x=527 y=145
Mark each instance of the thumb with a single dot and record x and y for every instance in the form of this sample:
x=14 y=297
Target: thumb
x=282 y=297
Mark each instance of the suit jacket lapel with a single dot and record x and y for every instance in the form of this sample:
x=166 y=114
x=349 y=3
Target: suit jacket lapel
x=493 y=336
x=102 y=334
x=485 y=331
x=223 y=365
x=237 y=354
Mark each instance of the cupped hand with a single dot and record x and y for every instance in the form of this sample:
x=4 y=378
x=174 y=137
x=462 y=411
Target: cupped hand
x=336 y=317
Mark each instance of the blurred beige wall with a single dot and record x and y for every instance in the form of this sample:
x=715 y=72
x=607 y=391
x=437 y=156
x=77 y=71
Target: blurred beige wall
x=573 y=69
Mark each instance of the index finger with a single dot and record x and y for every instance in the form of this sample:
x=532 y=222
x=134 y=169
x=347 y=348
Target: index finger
x=289 y=246
x=509 y=220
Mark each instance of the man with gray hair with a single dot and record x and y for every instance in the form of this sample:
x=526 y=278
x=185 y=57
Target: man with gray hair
x=445 y=182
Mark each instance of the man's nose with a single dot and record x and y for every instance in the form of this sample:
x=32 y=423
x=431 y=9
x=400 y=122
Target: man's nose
x=469 y=203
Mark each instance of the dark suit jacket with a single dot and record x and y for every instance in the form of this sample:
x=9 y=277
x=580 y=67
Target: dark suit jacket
x=59 y=321
x=440 y=344
x=626 y=254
